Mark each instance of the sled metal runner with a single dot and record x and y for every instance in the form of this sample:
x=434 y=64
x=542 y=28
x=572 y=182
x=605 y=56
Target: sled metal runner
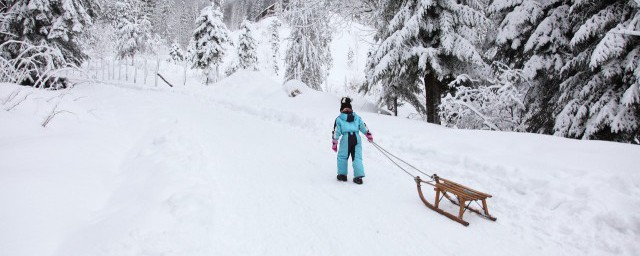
x=464 y=197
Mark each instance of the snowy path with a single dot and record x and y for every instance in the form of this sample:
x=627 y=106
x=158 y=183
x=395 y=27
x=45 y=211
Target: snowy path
x=199 y=173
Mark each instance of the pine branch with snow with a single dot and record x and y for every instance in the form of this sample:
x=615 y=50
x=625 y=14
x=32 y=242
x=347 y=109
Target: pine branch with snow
x=600 y=95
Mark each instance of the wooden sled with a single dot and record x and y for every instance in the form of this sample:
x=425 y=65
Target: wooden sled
x=464 y=197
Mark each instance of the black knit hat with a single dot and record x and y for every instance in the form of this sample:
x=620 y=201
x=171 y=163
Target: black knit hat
x=345 y=103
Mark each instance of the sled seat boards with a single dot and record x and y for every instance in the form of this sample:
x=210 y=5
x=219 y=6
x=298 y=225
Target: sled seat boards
x=460 y=190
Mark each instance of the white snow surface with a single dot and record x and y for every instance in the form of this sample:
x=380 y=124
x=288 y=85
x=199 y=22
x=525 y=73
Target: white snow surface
x=240 y=168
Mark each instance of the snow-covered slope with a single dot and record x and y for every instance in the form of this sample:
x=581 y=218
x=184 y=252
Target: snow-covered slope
x=239 y=168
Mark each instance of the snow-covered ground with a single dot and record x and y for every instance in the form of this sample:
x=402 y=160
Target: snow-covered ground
x=239 y=168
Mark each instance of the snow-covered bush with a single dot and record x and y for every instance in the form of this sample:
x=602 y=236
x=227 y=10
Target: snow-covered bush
x=295 y=87
x=36 y=65
x=496 y=105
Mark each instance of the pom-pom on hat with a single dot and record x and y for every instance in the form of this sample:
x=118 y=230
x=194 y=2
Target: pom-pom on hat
x=345 y=103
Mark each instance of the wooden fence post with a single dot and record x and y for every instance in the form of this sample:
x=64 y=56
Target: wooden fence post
x=135 y=71
x=96 y=68
x=113 y=70
x=102 y=68
x=184 y=81
x=145 y=70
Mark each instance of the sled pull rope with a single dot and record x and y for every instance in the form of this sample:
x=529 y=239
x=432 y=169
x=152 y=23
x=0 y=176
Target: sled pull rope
x=389 y=155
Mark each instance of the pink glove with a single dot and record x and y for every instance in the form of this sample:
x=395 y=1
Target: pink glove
x=369 y=137
x=335 y=145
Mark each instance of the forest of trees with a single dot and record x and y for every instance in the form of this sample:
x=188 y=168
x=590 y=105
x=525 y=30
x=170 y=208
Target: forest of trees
x=562 y=67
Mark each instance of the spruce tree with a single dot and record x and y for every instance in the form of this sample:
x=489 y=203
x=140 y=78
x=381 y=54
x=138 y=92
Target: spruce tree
x=207 y=42
x=422 y=45
x=247 y=55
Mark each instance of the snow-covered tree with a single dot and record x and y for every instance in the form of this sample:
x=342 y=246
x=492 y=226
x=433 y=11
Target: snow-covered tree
x=162 y=16
x=256 y=9
x=133 y=28
x=532 y=35
x=247 y=55
x=157 y=45
x=599 y=95
x=39 y=38
x=56 y=24
x=308 y=57
x=422 y=45
x=207 y=42
x=217 y=4
x=360 y=11
x=516 y=20
x=274 y=40
x=175 y=53
x=100 y=42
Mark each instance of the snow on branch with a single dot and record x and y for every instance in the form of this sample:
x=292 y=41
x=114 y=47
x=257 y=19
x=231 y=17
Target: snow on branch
x=626 y=31
x=495 y=105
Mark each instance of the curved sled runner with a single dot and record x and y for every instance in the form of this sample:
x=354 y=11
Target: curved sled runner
x=464 y=197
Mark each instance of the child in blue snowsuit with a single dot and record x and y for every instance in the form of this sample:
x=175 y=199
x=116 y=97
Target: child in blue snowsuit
x=347 y=126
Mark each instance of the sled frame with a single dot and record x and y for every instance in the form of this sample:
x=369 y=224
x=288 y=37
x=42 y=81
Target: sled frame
x=464 y=197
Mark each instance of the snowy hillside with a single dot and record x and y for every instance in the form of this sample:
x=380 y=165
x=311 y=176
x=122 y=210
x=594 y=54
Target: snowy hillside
x=240 y=168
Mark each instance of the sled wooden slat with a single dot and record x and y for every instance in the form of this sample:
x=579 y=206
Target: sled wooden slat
x=460 y=191
x=470 y=189
x=464 y=196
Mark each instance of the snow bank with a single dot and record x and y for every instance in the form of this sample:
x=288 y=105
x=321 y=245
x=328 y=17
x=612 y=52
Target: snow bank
x=295 y=87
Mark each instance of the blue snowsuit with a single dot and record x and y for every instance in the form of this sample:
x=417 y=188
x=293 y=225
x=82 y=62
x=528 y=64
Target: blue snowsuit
x=347 y=126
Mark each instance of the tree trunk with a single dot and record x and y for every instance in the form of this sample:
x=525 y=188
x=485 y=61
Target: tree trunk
x=433 y=89
x=395 y=106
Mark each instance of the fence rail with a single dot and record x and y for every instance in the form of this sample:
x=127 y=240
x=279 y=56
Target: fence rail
x=139 y=71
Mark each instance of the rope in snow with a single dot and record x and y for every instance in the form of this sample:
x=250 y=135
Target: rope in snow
x=389 y=155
